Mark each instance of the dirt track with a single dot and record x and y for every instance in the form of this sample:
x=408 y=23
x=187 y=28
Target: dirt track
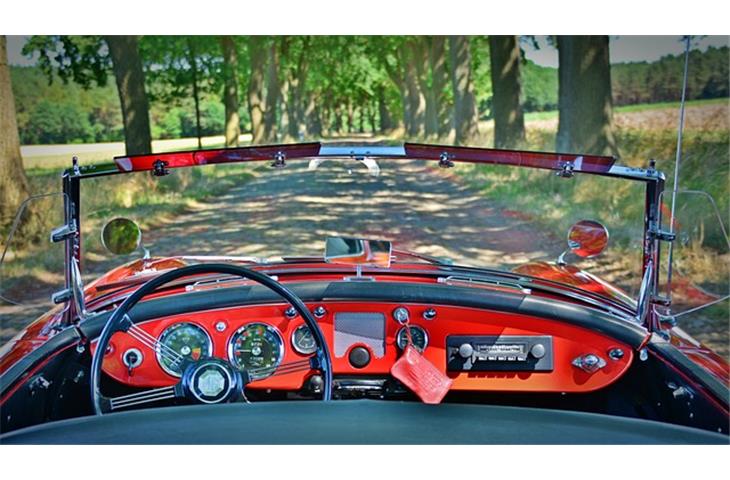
x=291 y=212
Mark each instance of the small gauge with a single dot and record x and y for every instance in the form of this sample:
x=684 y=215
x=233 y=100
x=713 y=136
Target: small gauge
x=188 y=340
x=418 y=334
x=303 y=341
x=256 y=348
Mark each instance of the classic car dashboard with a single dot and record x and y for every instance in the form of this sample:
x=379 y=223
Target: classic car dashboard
x=481 y=350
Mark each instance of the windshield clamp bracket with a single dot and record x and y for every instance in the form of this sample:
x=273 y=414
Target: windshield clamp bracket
x=445 y=160
x=61 y=296
x=159 y=168
x=63 y=232
x=567 y=170
x=656 y=233
x=279 y=160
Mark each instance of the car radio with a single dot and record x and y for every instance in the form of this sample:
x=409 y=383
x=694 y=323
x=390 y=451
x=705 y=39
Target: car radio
x=486 y=353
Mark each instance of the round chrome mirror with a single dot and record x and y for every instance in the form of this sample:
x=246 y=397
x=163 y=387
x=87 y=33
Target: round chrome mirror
x=121 y=236
x=587 y=238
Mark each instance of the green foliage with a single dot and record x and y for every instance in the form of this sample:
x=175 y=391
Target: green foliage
x=341 y=78
x=661 y=81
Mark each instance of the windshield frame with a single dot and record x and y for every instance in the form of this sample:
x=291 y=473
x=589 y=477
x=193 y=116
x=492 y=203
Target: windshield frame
x=563 y=164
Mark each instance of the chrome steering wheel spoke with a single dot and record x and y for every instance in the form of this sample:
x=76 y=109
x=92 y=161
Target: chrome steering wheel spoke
x=111 y=404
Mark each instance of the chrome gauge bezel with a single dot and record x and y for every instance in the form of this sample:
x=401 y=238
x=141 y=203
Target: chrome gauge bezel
x=167 y=331
x=400 y=337
x=274 y=330
x=298 y=348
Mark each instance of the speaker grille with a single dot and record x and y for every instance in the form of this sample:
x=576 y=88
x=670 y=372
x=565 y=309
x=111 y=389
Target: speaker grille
x=352 y=328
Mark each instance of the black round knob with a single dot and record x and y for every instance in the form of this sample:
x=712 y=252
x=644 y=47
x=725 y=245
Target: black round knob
x=359 y=357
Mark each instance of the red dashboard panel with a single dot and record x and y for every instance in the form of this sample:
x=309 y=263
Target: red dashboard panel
x=568 y=342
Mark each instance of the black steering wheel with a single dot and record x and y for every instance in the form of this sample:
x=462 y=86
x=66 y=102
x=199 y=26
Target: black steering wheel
x=206 y=380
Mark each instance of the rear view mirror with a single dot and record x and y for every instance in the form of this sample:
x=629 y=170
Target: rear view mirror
x=587 y=238
x=357 y=251
x=121 y=236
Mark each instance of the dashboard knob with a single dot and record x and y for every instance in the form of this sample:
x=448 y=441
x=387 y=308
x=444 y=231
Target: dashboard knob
x=319 y=311
x=359 y=357
x=466 y=350
x=401 y=315
x=538 y=350
x=429 y=314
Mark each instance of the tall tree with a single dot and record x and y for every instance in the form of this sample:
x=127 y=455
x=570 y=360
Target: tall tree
x=230 y=90
x=273 y=91
x=438 y=84
x=257 y=54
x=85 y=60
x=509 y=121
x=415 y=99
x=422 y=59
x=465 y=108
x=127 y=64
x=193 y=61
x=585 y=106
x=13 y=183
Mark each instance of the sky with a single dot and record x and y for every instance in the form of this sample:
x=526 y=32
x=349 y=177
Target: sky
x=621 y=48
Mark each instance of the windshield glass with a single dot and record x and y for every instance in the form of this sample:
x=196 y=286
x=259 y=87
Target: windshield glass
x=474 y=215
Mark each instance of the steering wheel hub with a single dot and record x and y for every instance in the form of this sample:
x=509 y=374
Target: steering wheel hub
x=212 y=381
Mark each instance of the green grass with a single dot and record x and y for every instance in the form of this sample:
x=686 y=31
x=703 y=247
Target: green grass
x=641 y=107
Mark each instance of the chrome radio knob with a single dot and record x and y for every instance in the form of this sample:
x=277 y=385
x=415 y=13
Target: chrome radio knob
x=538 y=350
x=466 y=350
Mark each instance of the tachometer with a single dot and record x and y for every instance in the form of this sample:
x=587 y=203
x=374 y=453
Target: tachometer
x=418 y=334
x=256 y=347
x=187 y=339
x=303 y=341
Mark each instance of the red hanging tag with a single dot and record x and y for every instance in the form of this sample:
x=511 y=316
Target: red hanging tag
x=421 y=376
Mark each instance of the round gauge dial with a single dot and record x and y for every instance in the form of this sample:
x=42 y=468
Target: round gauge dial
x=257 y=348
x=190 y=341
x=418 y=334
x=303 y=341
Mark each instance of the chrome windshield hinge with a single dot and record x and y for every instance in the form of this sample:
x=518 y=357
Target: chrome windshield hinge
x=63 y=232
x=656 y=233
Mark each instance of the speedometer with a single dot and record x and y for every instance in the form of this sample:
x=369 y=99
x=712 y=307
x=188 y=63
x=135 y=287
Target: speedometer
x=256 y=348
x=186 y=339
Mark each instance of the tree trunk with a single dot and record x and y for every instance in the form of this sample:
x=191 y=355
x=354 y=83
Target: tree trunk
x=421 y=50
x=465 y=110
x=257 y=54
x=312 y=115
x=439 y=79
x=415 y=126
x=230 y=91
x=196 y=96
x=129 y=76
x=585 y=107
x=13 y=182
x=272 y=93
x=386 y=122
x=509 y=121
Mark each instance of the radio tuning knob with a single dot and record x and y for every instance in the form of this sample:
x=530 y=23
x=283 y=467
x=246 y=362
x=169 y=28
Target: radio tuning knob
x=538 y=350
x=466 y=350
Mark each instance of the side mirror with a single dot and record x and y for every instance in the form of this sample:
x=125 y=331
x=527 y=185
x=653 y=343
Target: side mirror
x=121 y=236
x=586 y=239
x=357 y=251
